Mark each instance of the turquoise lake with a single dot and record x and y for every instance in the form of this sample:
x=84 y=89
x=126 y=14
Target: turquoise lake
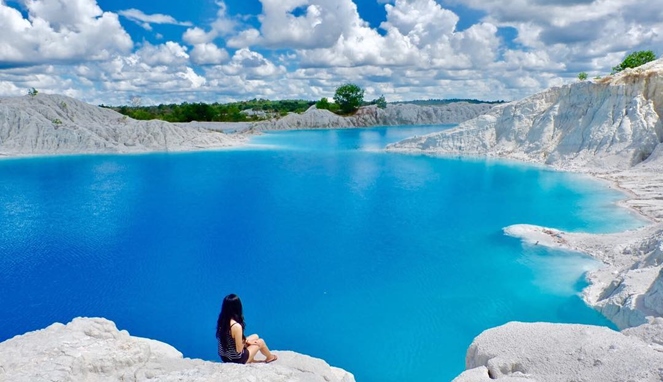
x=386 y=265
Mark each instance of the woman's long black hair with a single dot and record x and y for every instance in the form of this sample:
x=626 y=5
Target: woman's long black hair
x=231 y=309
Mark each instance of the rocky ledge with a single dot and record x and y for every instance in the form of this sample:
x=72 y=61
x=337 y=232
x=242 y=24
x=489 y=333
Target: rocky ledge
x=93 y=349
x=520 y=352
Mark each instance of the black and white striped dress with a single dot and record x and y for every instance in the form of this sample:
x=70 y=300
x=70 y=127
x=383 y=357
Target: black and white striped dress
x=229 y=352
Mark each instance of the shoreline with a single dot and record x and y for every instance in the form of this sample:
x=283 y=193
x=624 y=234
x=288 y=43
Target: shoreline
x=617 y=289
x=612 y=131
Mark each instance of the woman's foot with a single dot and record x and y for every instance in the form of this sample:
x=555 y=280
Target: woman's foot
x=272 y=359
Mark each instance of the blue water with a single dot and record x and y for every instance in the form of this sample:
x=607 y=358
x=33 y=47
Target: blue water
x=387 y=265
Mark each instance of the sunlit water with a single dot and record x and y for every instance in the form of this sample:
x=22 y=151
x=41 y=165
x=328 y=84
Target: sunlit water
x=386 y=265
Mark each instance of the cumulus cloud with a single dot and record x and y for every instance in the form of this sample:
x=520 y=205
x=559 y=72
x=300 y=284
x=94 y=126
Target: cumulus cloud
x=248 y=64
x=222 y=26
x=320 y=25
x=419 y=33
x=169 y=53
x=58 y=31
x=306 y=48
x=573 y=28
x=146 y=21
x=134 y=75
x=208 y=54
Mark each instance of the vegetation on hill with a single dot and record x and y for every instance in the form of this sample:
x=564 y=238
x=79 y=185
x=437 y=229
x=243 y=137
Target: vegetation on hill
x=349 y=98
x=252 y=110
x=634 y=60
x=245 y=111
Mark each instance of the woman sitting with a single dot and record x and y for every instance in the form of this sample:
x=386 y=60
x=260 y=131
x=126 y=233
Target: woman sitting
x=233 y=345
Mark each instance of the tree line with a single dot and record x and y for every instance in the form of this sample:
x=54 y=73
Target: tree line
x=244 y=111
x=348 y=98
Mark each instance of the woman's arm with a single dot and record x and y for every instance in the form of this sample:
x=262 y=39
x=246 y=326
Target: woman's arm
x=236 y=332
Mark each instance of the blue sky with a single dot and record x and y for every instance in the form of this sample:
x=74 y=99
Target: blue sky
x=109 y=51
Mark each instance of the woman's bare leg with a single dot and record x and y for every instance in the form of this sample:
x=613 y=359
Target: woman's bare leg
x=252 y=338
x=259 y=345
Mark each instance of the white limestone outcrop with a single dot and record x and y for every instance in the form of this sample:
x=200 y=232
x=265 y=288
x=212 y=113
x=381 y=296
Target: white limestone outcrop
x=54 y=124
x=611 y=129
x=93 y=349
x=600 y=126
x=393 y=115
x=628 y=289
x=544 y=352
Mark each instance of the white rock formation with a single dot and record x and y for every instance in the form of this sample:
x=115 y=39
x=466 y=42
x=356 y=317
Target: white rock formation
x=546 y=352
x=628 y=289
x=54 y=124
x=394 y=114
x=605 y=126
x=92 y=349
x=612 y=129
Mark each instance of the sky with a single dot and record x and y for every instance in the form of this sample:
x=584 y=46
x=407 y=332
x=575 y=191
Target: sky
x=115 y=51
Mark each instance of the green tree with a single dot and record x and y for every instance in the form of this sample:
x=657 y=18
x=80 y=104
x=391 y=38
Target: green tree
x=349 y=97
x=32 y=92
x=323 y=104
x=634 y=60
x=381 y=102
x=582 y=76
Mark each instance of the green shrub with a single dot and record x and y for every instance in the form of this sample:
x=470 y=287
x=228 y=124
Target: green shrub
x=381 y=102
x=323 y=104
x=634 y=60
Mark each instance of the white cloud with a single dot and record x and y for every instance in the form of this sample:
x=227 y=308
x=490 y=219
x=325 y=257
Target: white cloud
x=247 y=64
x=196 y=35
x=223 y=25
x=424 y=22
x=58 y=31
x=585 y=29
x=419 y=33
x=245 y=39
x=196 y=80
x=306 y=48
x=170 y=53
x=208 y=54
x=321 y=24
x=146 y=21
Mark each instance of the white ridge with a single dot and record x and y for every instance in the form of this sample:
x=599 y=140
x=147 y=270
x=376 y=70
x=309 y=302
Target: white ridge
x=54 y=124
x=392 y=115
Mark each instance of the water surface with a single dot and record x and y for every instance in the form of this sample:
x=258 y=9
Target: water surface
x=386 y=265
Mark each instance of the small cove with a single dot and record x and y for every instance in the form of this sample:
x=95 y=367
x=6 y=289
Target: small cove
x=386 y=265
